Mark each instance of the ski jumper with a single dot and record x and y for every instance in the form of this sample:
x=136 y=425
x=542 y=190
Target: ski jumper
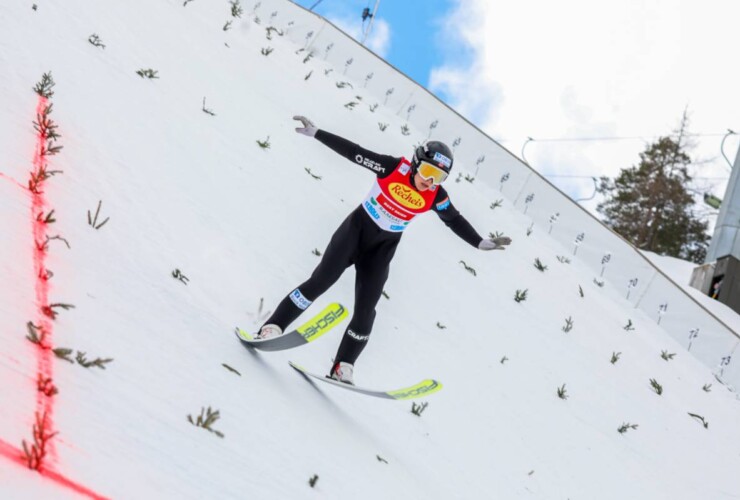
x=367 y=239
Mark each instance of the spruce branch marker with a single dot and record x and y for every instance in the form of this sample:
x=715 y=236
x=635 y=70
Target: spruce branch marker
x=625 y=427
x=45 y=86
x=568 y=324
x=95 y=40
x=206 y=110
x=97 y=362
x=692 y=335
x=666 y=356
x=521 y=295
x=35 y=454
x=312 y=480
x=662 y=309
x=230 y=369
x=656 y=386
x=468 y=268
x=701 y=419
x=265 y=145
x=236 y=9
x=562 y=393
x=178 y=275
x=93 y=221
x=539 y=265
x=418 y=409
x=317 y=177
x=615 y=357
x=206 y=419
x=149 y=73
x=578 y=241
x=604 y=261
x=50 y=312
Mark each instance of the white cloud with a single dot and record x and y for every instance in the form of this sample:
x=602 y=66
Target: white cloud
x=579 y=68
x=379 y=40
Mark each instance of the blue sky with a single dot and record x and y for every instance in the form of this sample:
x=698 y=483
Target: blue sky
x=416 y=40
x=583 y=86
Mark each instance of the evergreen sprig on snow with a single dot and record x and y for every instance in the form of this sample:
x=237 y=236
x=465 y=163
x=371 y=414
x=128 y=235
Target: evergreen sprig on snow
x=625 y=427
x=149 y=73
x=562 y=393
x=36 y=452
x=93 y=221
x=97 y=362
x=521 y=295
x=265 y=145
x=45 y=86
x=95 y=41
x=468 y=268
x=206 y=419
x=568 y=324
x=418 y=409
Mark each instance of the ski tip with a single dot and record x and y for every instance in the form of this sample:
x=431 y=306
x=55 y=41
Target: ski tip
x=297 y=366
x=422 y=389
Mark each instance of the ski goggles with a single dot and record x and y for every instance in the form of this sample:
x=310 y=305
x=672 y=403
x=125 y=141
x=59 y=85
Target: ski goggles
x=429 y=171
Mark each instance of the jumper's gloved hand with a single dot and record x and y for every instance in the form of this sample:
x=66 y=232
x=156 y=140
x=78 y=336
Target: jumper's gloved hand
x=308 y=128
x=495 y=243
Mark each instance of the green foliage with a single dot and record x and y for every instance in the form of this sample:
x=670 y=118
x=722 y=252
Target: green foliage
x=97 y=362
x=418 y=409
x=206 y=419
x=148 y=73
x=562 y=393
x=651 y=205
x=45 y=86
x=468 y=268
x=625 y=427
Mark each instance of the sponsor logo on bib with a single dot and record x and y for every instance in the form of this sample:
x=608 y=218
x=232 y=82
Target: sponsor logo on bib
x=406 y=196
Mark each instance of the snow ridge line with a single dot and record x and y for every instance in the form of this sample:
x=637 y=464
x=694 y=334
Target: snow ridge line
x=45 y=362
x=34 y=455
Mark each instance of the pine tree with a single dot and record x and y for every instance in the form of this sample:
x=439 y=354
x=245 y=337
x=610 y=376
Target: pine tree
x=650 y=204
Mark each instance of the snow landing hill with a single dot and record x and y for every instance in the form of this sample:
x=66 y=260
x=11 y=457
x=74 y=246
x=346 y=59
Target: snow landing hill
x=203 y=224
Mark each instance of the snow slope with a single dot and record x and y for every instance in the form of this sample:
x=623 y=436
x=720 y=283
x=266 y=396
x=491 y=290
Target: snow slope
x=192 y=192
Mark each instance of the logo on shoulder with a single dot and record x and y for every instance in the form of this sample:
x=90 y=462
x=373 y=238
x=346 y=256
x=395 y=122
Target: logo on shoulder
x=442 y=159
x=368 y=163
x=442 y=205
x=404 y=169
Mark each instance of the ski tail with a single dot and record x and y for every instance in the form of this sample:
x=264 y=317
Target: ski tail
x=331 y=316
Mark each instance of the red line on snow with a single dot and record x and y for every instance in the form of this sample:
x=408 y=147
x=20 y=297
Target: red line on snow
x=45 y=363
x=9 y=178
x=16 y=455
x=42 y=438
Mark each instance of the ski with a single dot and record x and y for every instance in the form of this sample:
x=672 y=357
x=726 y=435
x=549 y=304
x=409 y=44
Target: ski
x=422 y=389
x=331 y=316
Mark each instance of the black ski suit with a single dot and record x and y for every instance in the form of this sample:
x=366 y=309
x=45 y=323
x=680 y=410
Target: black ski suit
x=360 y=241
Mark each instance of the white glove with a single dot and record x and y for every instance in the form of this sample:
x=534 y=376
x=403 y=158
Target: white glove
x=308 y=128
x=495 y=243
